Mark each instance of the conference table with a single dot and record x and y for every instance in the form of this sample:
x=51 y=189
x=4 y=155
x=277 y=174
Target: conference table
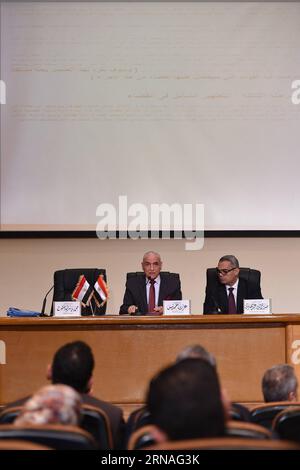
x=130 y=350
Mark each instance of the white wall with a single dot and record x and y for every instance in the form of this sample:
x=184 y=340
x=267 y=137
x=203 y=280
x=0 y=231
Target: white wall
x=27 y=266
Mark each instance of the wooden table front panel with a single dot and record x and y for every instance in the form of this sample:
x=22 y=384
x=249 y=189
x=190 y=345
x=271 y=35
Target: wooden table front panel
x=128 y=354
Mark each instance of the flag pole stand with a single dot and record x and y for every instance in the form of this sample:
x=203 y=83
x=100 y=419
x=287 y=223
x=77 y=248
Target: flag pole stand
x=92 y=309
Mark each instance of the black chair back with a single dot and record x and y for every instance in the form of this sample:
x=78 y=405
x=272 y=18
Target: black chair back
x=247 y=430
x=141 y=438
x=65 y=281
x=7 y=416
x=239 y=412
x=265 y=414
x=58 y=437
x=15 y=444
x=287 y=424
x=226 y=443
x=96 y=422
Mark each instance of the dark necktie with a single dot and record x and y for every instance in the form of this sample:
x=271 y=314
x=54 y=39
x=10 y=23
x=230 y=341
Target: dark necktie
x=231 y=302
x=151 y=303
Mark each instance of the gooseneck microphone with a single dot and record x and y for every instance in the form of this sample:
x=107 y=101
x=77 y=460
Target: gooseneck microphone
x=42 y=314
x=217 y=307
x=138 y=313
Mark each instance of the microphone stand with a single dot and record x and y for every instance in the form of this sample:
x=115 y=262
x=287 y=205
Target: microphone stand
x=92 y=310
x=42 y=314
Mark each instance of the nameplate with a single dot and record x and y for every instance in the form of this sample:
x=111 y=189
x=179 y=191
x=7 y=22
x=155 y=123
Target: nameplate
x=176 y=307
x=257 y=306
x=67 y=309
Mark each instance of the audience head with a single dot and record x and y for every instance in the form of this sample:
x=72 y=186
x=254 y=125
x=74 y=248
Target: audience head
x=185 y=401
x=279 y=383
x=151 y=264
x=196 y=351
x=53 y=404
x=73 y=365
x=228 y=270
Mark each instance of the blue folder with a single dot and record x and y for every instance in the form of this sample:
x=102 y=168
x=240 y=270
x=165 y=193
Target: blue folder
x=16 y=312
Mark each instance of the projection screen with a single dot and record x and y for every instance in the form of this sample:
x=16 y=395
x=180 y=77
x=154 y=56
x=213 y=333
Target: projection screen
x=160 y=103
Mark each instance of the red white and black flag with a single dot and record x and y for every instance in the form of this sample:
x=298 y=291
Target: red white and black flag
x=83 y=291
x=100 y=291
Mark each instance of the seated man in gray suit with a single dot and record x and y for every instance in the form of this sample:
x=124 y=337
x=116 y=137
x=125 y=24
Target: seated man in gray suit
x=146 y=292
x=227 y=289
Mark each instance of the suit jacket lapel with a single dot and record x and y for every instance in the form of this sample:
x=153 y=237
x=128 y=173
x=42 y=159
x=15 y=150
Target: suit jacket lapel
x=223 y=299
x=241 y=295
x=143 y=293
x=163 y=289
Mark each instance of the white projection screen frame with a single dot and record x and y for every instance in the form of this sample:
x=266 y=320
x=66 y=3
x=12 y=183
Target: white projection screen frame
x=177 y=102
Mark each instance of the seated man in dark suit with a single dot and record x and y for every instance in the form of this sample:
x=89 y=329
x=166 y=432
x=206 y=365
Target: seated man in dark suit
x=227 y=293
x=186 y=402
x=145 y=293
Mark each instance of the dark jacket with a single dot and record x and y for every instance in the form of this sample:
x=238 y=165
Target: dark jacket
x=135 y=293
x=216 y=300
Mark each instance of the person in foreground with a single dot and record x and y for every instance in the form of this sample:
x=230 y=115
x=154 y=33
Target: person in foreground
x=185 y=402
x=145 y=293
x=142 y=417
x=52 y=404
x=226 y=292
x=73 y=365
x=197 y=351
x=279 y=383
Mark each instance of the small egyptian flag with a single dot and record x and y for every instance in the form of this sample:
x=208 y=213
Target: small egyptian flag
x=101 y=291
x=83 y=291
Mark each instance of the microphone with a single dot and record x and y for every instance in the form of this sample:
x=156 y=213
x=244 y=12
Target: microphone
x=138 y=313
x=218 y=310
x=42 y=314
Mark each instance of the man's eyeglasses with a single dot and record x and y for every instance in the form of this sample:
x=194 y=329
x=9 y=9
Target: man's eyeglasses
x=224 y=271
